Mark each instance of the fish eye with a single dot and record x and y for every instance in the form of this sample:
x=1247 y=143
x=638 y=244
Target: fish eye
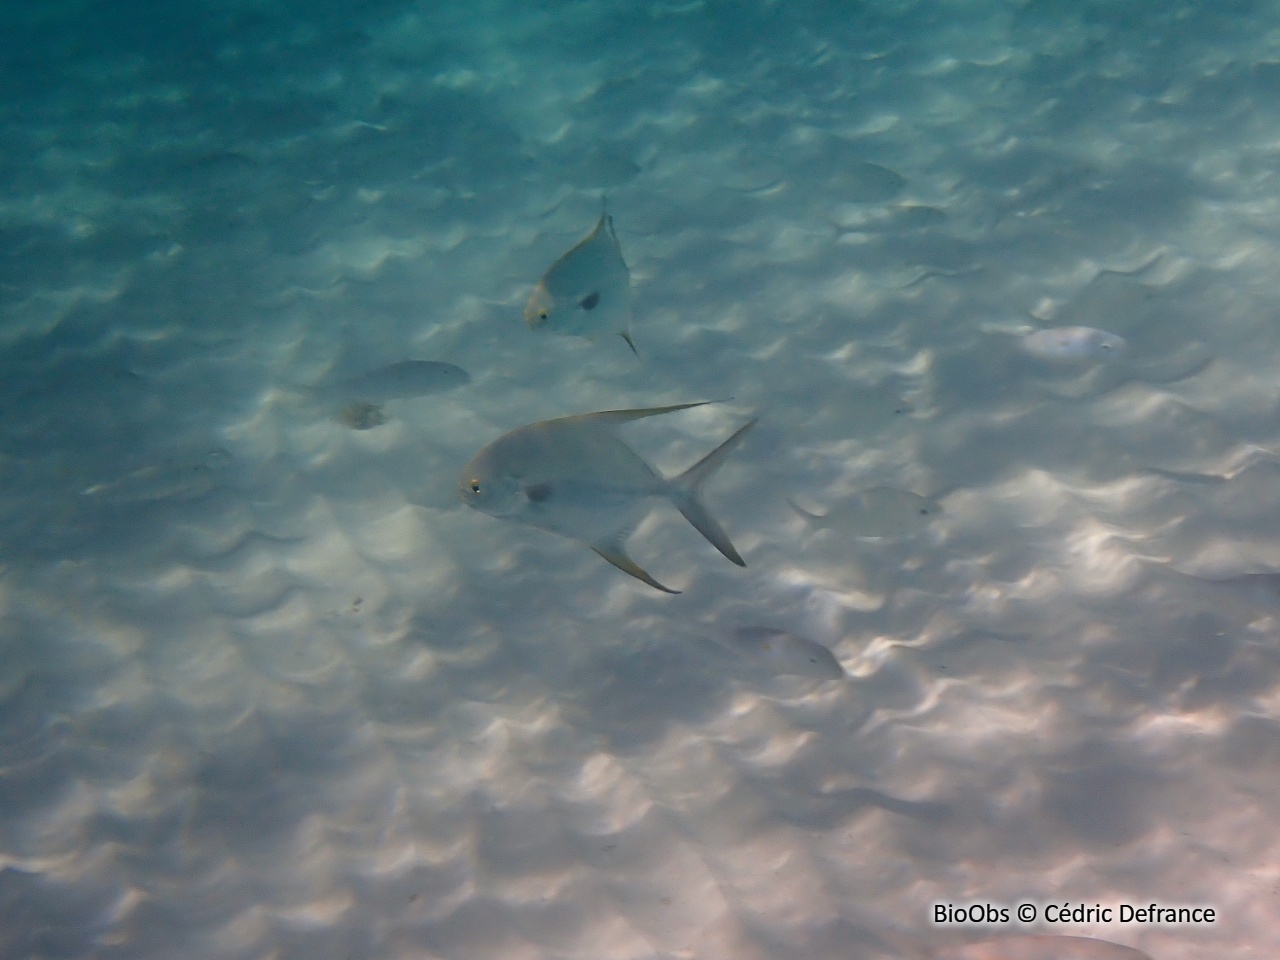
x=542 y=314
x=475 y=486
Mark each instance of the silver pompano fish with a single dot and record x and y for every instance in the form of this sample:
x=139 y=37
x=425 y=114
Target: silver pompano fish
x=574 y=476
x=587 y=290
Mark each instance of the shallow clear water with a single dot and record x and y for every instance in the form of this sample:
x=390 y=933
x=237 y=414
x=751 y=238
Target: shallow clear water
x=267 y=689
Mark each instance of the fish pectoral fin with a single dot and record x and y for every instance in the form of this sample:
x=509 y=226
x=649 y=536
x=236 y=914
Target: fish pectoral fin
x=625 y=335
x=613 y=552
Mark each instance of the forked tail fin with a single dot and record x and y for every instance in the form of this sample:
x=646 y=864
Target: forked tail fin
x=688 y=500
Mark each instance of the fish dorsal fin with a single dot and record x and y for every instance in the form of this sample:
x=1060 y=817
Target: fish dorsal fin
x=613 y=551
x=626 y=416
x=588 y=246
x=603 y=230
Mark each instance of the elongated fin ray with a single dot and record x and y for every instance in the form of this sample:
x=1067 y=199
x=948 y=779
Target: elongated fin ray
x=603 y=228
x=688 y=501
x=614 y=553
x=626 y=416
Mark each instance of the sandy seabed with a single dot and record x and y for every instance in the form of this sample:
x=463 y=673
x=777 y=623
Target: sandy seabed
x=268 y=690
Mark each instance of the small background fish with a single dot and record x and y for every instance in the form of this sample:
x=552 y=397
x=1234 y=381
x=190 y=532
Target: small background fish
x=187 y=476
x=780 y=653
x=875 y=512
x=1072 y=344
x=357 y=401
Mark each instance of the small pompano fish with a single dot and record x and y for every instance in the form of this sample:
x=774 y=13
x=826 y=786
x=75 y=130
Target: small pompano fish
x=574 y=476
x=876 y=512
x=1072 y=344
x=587 y=290
x=1042 y=947
x=782 y=653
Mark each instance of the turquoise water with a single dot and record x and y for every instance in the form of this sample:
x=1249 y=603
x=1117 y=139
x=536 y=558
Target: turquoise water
x=268 y=689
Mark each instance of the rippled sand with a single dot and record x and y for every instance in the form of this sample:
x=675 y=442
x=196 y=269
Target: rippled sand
x=267 y=690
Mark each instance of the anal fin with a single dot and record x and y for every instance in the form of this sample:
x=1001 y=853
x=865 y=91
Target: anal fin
x=614 y=553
